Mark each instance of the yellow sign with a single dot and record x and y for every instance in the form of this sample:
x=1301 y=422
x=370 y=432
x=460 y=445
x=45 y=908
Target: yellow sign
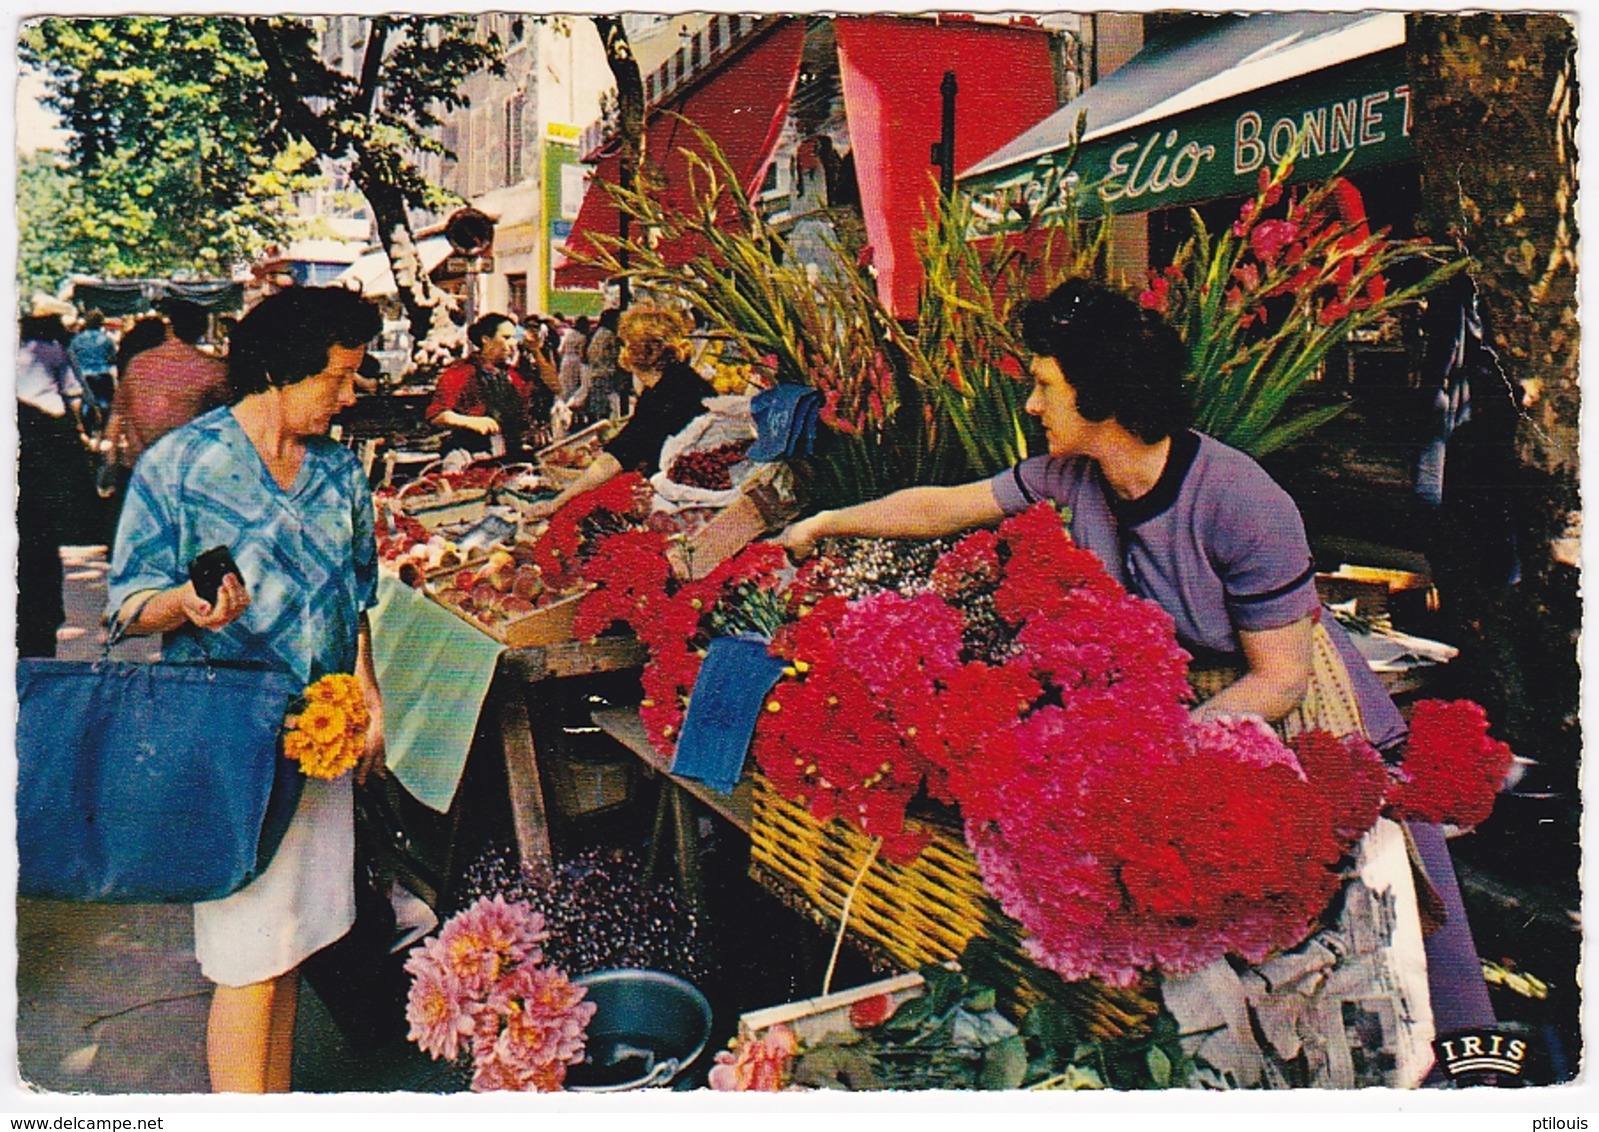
x=561 y=132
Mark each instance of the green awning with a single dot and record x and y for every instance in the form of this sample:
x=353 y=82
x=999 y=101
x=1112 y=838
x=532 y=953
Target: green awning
x=1196 y=118
x=120 y=297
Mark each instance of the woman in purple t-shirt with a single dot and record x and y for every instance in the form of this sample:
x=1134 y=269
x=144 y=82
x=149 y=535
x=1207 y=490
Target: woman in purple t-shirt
x=1187 y=522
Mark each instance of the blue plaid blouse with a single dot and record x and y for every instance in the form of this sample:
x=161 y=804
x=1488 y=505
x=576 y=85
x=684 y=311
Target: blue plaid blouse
x=308 y=555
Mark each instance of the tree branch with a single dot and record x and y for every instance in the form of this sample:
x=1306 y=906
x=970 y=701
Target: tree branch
x=377 y=37
x=298 y=117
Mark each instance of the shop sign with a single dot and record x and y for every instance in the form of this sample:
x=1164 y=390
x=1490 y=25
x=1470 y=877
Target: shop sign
x=1359 y=113
x=461 y=264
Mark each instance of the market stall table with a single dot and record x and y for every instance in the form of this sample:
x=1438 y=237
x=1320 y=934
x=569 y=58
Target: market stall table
x=674 y=819
x=441 y=678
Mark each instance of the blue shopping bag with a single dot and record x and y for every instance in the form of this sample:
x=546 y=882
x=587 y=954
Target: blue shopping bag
x=149 y=783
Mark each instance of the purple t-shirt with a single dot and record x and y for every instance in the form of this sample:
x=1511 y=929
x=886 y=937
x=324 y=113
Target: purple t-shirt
x=1216 y=543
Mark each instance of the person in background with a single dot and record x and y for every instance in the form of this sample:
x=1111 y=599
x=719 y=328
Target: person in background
x=262 y=477
x=655 y=350
x=574 y=373
x=483 y=400
x=54 y=482
x=610 y=386
x=166 y=385
x=143 y=333
x=537 y=370
x=94 y=352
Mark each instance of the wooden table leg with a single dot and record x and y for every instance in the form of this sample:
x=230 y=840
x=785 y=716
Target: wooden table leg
x=656 y=854
x=528 y=815
x=685 y=824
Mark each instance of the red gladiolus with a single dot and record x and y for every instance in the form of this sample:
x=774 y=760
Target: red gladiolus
x=1270 y=237
x=1158 y=294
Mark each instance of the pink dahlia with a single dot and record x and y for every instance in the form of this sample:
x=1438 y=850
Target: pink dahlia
x=439 y=1011
x=531 y=1028
x=485 y=940
x=760 y=1065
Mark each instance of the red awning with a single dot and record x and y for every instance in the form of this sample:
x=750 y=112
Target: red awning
x=742 y=106
x=891 y=69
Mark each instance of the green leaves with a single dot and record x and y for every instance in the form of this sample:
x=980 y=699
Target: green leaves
x=191 y=135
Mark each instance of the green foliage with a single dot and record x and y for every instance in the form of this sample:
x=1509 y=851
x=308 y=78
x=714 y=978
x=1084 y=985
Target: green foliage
x=965 y=354
x=46 y=255
x=167 y=119
x=951 y=1036
x=935 y=402
x=191 y=134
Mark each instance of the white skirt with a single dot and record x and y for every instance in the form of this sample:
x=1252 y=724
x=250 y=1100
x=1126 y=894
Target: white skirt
x=304 y=901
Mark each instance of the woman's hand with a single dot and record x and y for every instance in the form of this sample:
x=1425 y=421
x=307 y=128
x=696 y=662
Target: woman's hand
x=800 y=538
x=232 y=600
x=483 y=426
x=373 y=752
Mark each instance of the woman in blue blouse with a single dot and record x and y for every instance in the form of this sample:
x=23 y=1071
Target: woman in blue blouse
x=262 y=478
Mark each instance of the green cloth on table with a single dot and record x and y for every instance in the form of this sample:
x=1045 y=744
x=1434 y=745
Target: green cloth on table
x=434 y=670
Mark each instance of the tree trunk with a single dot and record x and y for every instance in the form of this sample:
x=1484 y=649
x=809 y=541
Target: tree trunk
x=386 y=201
x=389 y=212
x=630 y=116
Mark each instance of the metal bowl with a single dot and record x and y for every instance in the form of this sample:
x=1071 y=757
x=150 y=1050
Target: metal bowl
x=648 y=1028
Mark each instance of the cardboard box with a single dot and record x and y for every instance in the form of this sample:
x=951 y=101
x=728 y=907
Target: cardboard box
x=760 y=510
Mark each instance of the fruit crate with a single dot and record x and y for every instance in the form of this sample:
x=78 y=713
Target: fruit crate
x=545 y=625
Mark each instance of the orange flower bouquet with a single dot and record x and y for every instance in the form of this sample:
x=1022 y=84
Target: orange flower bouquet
x=327 y=735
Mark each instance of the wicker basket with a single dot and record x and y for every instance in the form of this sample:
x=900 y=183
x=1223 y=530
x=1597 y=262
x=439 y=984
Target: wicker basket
x=922 y=912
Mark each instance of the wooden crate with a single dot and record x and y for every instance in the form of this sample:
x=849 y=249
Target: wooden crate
x=548 y=625
x=922 y=912
x=813 y=1019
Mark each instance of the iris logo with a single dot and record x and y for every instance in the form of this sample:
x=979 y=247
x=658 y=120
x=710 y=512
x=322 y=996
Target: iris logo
x=1484 y=1052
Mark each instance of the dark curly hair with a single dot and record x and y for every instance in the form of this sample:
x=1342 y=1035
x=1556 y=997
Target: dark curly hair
x=1123 y=361
x=486 y=327
x=285 y=338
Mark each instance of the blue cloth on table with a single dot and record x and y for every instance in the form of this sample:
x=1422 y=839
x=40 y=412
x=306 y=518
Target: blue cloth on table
x=722 y=710
x=785 y=421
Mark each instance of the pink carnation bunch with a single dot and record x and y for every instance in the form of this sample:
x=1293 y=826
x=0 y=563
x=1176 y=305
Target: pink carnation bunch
x=480 y=984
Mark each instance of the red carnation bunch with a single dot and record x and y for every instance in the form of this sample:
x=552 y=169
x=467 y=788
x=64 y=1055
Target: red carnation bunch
x=1452 y=768
x=633 y=584
x=619 y=504
x=847 y=733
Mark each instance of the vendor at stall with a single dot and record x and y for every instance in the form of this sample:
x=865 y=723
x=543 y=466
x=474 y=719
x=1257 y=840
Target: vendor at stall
x=655 y=350
x=1200 y=529
x=483 y=400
